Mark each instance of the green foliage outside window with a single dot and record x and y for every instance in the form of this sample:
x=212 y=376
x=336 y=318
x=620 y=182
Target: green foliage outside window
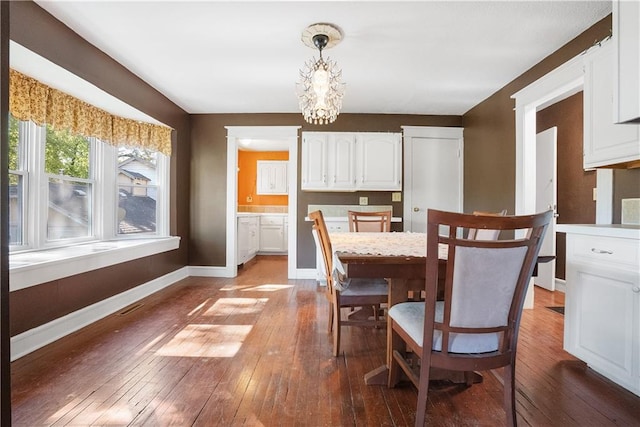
x=66 y=154
x=13 y=143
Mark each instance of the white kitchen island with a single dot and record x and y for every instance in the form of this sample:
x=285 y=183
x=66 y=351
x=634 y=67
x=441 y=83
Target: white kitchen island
x=602 y=302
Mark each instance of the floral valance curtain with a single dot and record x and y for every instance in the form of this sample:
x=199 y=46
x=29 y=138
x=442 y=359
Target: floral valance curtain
x=31 y=100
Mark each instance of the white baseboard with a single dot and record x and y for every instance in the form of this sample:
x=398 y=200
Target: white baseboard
x=201 y=271
x=42 y=335
x=306 y=273
x=561 y=285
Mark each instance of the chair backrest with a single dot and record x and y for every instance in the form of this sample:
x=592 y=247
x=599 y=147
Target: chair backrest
x=485 y=282
x=484 y=234
x=320 y=228
x=369 y=221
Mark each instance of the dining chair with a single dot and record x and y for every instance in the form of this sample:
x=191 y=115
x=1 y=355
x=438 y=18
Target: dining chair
x=475 y=327
x=484 y=234
x=369 y=221
x=349 y=293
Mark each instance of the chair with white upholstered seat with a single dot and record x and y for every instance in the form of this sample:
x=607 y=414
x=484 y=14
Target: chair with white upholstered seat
x=357 y=293
x=475 y=328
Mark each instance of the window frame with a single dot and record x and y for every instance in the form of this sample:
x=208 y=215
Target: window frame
x=104 y=204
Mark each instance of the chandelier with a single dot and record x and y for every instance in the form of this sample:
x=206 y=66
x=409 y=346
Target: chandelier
x=320 y=90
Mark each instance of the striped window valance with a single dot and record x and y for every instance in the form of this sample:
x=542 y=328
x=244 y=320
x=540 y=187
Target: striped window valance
x=32 y=100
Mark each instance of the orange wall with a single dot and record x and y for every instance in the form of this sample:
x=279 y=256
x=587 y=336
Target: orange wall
x=247 y=177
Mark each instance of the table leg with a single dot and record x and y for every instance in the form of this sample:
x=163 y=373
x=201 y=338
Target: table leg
x=398 y=292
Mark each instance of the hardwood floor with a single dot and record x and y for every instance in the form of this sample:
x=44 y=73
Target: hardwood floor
x=255 y=351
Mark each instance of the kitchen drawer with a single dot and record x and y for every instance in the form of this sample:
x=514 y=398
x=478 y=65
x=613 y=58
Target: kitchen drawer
x=610 y=250
x=272 y=220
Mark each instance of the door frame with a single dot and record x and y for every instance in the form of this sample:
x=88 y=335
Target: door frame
x=234 y=134
x=558 y=84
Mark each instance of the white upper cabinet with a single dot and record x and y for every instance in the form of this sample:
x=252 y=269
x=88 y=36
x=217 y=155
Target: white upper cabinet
x=351 y=161
x=272 y=177
x=379 y=161
x=605 y=142
x=314 y=160
x=626 y=39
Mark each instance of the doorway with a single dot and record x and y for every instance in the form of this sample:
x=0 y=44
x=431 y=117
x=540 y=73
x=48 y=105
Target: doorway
x=235 y=136
x=546 y=198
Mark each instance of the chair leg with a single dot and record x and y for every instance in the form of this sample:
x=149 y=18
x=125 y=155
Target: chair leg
x=421 y=409
x=510 y=393
x=394 y=366
x=330 y=327
x=336 y=331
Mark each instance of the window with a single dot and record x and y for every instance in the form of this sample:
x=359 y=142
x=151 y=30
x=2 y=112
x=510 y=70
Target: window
x=137 y=191
x=67 y=167
x=67 y=189
x=16 y=186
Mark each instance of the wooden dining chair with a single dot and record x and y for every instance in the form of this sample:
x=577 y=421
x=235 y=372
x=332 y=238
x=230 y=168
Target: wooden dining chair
x=484 y=234
x=475 y=327
x=369 y=221
x=347 y=293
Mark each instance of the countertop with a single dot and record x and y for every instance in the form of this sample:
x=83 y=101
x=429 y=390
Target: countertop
x=346 y=219
x=605 y=230
x=262 y=214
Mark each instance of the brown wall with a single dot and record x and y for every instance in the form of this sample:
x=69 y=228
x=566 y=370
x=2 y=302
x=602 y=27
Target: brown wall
x=490 y=135
x=208 y=176
x=574 y=184
x=35 y=29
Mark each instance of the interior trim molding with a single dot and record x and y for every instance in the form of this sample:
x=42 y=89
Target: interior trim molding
x=42 y=335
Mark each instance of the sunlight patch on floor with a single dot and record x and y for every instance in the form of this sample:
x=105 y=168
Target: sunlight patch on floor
x=206 y=341
x=270 y=287
x=229 y=306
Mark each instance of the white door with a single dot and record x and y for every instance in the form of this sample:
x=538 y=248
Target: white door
x=546 y=198
x=433 y=173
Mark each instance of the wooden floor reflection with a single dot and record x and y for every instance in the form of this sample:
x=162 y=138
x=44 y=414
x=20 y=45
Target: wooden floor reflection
x=254 y=351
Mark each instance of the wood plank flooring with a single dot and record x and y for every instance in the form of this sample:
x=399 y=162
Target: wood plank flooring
x=255 y=351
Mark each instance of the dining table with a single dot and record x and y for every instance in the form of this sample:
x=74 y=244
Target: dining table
x=399 y=257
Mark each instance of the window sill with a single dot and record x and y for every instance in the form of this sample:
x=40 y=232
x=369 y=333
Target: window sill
x=33 y=268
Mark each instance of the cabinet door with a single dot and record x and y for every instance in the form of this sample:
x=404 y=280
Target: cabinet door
x=254 y=237
x=379 y=161
x=601 y=326
x=271 y=238
x=314 y=161
x=243 y=240
x=272 y=177
x=605 y=143
x=626 y=37
x=342 y=161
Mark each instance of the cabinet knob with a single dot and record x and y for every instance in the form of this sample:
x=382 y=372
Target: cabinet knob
x=636 y=289
x=416 y=209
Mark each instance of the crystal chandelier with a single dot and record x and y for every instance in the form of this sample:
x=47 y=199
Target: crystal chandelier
x=320 y=90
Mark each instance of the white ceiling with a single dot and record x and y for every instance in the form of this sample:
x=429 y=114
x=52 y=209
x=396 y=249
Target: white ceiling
x=419 y=57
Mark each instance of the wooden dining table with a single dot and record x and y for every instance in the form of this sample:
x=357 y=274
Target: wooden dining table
x=399 y=257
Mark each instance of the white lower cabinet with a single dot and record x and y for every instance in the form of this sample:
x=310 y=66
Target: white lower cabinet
x=602 y=306
x=273 y=237
x=247 y=238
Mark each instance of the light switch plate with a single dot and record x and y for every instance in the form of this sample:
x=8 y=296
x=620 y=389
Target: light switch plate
x=396 y=197
x=364 y=201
